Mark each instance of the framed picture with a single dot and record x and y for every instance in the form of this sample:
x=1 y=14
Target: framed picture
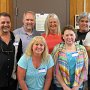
x=76 y=22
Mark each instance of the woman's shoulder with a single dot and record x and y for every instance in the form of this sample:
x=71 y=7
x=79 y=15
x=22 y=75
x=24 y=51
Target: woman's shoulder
x=80 y=47
x=50 y=60
x=60 y=45
x=57 y=48
x=43 y=34
x=25 y=57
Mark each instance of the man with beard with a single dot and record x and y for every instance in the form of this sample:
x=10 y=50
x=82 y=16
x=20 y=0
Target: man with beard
x=27 y=32
x=9 y=55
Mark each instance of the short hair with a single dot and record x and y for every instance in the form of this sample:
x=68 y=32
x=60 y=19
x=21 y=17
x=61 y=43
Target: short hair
x=82 y=15
x=33 y=13
x=5 y=14
x=68 y=27
x=46 y=23
x=38 y=39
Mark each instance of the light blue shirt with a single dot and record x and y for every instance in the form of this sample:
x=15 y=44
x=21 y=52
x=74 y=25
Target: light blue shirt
x=72 y=65
x=35 y=77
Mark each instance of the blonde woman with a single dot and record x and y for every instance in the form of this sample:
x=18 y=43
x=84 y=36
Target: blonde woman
x=35 y=66
x=52 y=33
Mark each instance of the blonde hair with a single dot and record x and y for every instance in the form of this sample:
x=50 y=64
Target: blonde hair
x=46 y=23
x=37 y=39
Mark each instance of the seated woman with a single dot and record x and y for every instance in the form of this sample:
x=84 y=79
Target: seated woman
x=52 y=33
x=34 y=70
x=71 y=62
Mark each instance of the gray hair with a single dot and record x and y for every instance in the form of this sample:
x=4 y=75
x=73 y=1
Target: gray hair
x=82 y=15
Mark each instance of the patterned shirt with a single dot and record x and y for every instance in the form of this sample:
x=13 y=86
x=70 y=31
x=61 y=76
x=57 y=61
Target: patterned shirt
x=81 y=70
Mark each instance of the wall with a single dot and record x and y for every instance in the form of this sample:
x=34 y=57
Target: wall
x=77 y=7
x=7 y=6
x=59 y=7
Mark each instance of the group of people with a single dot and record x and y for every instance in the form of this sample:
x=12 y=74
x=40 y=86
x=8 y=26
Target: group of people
x=55 y=60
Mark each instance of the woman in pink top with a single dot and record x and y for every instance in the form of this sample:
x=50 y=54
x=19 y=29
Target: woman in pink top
x=52 y=31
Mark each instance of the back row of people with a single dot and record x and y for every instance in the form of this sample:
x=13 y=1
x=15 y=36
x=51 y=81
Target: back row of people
x=36 y=59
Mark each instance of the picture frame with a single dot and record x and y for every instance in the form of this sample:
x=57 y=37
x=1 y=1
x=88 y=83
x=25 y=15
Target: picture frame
x=76 y=22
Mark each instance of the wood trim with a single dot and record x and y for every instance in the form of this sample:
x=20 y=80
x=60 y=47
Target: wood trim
x=77 y=7
x=7 y=6
x=72 y=11
x=88 y=6
x=80 y=6
x=3 y=5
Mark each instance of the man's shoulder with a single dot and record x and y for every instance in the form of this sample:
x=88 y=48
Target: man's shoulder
x=18 y=30
x=88 y=34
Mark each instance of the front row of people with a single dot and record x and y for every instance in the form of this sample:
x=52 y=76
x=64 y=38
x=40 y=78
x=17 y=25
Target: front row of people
x=67 y=65
x=68 y=62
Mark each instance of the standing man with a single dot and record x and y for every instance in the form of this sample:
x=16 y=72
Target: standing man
x=83 y=21
x=27 y=32
x=82 y=32
x=10 y=52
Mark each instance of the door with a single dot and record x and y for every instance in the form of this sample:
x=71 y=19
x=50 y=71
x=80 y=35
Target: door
x=59 y=7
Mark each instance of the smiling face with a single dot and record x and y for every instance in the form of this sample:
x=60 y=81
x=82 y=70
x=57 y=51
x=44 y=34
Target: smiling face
x=69 y=37
x=38 y=48
x=29 y=21
x=83 y=24
x=52 y=25
x=5 y=24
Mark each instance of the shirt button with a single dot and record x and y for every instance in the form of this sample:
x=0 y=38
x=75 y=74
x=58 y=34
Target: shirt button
x=8 y=59
x=8 y=66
